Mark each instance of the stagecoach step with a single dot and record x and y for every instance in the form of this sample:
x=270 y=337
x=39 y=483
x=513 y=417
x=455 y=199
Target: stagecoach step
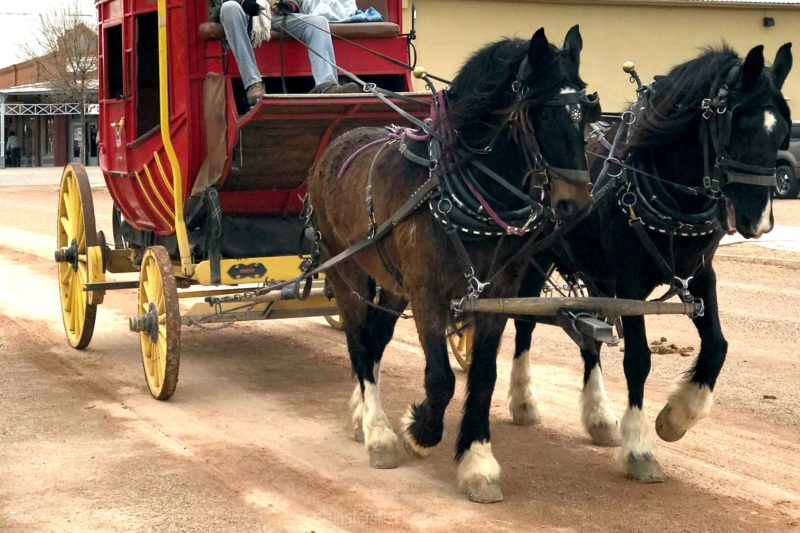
x=111 y=285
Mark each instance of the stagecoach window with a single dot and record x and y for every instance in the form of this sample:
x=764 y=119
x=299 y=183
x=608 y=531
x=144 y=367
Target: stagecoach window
x=113 y=63
x=147 y=95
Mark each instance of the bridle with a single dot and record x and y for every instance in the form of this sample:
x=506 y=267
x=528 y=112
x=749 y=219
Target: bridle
x=715 y=132
x=524 y=134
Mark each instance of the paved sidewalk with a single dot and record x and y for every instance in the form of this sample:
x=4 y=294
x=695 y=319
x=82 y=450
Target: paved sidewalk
x=786 y=238
x=44 y=176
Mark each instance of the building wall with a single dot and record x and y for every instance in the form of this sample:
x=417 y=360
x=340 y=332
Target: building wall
x=19 y=74
x=655 y=35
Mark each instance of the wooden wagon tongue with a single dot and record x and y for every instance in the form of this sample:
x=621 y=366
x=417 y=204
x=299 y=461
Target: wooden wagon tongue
x=583 y=319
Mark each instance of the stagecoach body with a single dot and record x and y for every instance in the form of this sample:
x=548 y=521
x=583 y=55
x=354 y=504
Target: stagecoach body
x=206 y=191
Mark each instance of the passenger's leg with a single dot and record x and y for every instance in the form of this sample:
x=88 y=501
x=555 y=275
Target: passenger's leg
x=234 y=20
x=313 y=30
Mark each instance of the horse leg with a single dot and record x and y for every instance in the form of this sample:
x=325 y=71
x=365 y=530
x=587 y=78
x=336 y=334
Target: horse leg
x=521 y=396
x=380 y=333
x=691 y=401
x=597 y=415
x=478 y=470
x=637 y=454
x=361 y=324
x=423 y=423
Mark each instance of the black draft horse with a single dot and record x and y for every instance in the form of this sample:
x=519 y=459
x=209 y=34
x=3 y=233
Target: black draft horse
x=683 y=222
x=525 y=102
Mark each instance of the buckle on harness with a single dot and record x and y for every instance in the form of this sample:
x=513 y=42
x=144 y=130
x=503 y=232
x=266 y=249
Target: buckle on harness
x=711 y=184
x=629 y=200
x=705 y=105
x=682 y=288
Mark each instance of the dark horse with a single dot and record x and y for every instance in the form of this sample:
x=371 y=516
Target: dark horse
x=524 y=102
x=733 y=107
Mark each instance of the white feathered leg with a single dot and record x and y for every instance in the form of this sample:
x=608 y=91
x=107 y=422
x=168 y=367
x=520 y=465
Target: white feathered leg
x=521 y=398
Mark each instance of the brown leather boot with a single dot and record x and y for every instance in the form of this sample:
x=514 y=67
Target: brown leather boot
x=255 y=93
x=346 y=88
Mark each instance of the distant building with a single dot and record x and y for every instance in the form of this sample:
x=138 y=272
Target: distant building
x=46 y=123
x=655 y=34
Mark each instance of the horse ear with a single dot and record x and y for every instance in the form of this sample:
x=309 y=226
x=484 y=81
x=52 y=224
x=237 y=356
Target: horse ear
x=573 y=44
x=782 y=64
x=753 y=65
x=539 y=54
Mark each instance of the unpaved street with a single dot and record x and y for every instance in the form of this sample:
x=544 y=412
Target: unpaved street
x=256 y=437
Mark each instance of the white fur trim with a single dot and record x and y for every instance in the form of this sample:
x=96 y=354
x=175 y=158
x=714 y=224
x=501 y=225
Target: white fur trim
x=405 y=423
x=689 y=404
x=377 y=430
x=635 y=434
x=478 y=466
x=595 y=409
x=262 y=25
x=520 y=390
x=769 y=121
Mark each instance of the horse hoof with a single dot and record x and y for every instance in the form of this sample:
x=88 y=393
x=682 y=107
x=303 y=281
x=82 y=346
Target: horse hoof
x=526 y=414
x=358 y=434
x=644 y=469
x=606 y=435
x=413 y=449
x=666 y=430
x=485 y=492
x=387 y=456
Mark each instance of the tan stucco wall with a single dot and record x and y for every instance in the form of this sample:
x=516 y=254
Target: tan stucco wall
x=655 y=37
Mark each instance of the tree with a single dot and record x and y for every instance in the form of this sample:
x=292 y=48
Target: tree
x=65 y=52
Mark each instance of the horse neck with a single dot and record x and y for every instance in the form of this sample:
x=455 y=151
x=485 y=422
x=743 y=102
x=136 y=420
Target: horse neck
x=508 y=161
x=680 y=160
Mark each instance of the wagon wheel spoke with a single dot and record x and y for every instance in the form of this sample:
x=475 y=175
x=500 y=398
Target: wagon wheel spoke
x=67 y=226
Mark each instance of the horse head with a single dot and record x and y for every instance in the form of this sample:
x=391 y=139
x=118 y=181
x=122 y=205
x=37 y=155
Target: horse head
x=557 y=110
x=759 y=126
x=521 y=106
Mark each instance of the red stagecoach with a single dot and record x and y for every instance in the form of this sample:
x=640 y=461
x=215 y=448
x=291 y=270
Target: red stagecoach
x=207 y=192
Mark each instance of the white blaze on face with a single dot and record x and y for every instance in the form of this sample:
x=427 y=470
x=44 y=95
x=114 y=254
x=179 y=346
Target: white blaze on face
x=770 y=120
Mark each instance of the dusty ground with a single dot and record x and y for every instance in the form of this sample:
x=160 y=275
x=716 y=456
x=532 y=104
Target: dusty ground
x=256 y=437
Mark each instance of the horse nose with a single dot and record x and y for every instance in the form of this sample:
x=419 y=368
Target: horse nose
x=566 y=210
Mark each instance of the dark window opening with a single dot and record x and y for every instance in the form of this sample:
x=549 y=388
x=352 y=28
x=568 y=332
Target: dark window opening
x=148 y=104
x=114 y=59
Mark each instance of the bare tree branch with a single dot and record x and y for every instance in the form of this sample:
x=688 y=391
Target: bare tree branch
x=64 y=50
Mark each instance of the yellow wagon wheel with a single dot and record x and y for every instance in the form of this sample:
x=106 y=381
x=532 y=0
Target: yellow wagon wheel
x=334 y=321
x=461 y=346
x=75 y=233
x=159 y=324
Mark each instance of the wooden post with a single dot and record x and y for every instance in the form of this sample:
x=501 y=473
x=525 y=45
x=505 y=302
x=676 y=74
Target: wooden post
x=552 y=306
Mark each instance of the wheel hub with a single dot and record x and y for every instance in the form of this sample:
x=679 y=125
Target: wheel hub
x=146 y=323
x=68 y=255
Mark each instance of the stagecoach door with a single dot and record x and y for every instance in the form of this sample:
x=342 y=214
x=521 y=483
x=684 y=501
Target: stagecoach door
x=113 y=99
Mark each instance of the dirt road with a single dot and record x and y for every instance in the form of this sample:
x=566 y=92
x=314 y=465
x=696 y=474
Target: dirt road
x=256 y=437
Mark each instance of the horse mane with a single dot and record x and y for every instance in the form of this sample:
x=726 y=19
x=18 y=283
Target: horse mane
x=481 y=90
x=676 y=97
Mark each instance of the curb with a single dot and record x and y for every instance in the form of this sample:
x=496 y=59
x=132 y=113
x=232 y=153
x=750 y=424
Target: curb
x=785 y=263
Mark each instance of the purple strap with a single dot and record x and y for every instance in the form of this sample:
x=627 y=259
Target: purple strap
x=511 y=230
x=355 y=154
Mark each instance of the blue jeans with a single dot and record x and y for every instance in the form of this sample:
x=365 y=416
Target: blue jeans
x=305 y=27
